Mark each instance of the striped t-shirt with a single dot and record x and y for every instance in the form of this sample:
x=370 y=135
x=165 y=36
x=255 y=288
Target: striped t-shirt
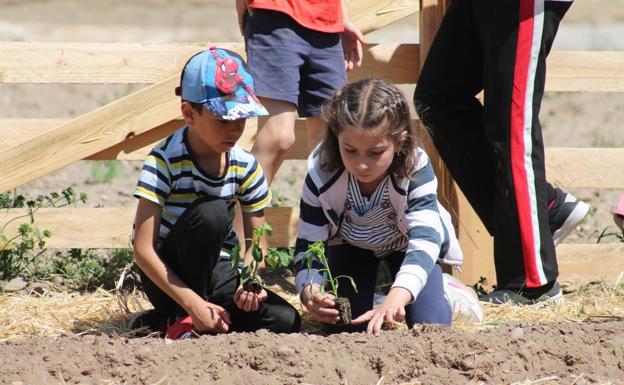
x=371 y=223
x=171 y=178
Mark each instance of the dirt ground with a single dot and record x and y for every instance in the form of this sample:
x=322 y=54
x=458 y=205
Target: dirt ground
x=566 y=353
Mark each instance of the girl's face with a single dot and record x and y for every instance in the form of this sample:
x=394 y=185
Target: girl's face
x=367 y=155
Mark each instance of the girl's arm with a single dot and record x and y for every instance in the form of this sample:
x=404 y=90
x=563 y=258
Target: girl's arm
x=425 y=237
x=206 y=316
x=425 y=229
x=313 y=226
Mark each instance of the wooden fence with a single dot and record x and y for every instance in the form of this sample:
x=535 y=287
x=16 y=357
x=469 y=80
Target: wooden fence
x=127 y=128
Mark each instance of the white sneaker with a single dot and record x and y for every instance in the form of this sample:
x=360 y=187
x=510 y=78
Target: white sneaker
x=463 y=301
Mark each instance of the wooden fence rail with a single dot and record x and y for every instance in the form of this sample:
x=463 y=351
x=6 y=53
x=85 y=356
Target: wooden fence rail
x=127 y=128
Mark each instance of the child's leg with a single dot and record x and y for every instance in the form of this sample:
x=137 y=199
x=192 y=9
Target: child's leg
x=275 y=314
x=362 y=266
x=430 y=306
x=275 y=54
x=276 y=134
x=191 y=250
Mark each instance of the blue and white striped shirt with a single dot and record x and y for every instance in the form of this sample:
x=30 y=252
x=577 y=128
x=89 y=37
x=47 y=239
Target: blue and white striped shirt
x=420 y=218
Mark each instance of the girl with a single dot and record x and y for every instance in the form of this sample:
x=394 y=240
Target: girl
x=370 y=194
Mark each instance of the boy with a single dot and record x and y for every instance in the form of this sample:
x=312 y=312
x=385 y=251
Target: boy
x=298 y=52
x=187 y=192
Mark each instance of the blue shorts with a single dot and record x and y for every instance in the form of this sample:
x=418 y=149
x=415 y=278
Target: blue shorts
x=292 y=63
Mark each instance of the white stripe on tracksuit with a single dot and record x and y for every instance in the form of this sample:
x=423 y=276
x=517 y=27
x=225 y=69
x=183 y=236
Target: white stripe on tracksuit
x=529 y=43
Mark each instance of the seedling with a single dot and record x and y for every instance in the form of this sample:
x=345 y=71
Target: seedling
x=275 y=259
x=316 y=252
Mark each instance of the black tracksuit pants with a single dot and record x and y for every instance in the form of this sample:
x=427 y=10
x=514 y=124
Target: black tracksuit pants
x=495 y=151
x=192 y=251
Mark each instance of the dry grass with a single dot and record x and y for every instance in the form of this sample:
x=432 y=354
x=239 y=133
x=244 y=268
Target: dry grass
x=595 y=301
x=102 y=312
x=62 y=313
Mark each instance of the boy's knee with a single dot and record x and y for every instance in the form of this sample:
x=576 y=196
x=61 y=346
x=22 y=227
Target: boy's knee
x=209 y=217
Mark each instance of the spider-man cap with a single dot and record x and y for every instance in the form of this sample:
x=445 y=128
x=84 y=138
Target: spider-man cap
x=220 y=80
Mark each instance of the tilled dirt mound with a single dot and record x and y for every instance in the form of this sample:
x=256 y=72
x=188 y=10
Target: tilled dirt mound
x=555 y=353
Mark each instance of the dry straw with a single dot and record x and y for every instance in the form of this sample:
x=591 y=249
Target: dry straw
x=592 y=302
x=103 y=312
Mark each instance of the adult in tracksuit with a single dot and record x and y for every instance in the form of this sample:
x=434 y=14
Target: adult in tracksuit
x=495 y=151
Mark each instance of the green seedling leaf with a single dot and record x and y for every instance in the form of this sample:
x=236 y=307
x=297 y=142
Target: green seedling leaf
x=235 y=257
x=285 y=257
x=353 y=285
x=272 y=259
x=256 y=253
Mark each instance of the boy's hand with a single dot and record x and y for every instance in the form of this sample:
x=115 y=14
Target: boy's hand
x=391 y=310
x=208 y=317
x=320 y=306
x=249 y=301
x=352 y=40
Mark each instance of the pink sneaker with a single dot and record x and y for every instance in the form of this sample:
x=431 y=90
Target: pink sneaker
x=182 y=329
x=618 y=212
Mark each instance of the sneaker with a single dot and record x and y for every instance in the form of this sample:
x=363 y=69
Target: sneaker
x=463 y=301
x=148 y=321
x=182 y=329
x=565 y=213
x=502 y=296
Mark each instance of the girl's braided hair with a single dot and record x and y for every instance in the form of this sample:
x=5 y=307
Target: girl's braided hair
x=370 y=104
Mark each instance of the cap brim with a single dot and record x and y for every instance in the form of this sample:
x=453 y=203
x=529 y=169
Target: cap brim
x=235 y=107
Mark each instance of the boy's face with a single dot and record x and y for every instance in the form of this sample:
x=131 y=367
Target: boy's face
x=218 y=135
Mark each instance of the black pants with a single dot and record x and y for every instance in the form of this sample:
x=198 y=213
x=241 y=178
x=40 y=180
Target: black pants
x=192 y=251
x=495 y=151
x=362 y=265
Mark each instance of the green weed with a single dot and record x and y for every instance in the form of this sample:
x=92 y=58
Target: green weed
x=19 y=252
x=85 y=270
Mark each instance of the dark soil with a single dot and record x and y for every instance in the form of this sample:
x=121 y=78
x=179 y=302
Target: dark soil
x=253 y=287
x=344 y=308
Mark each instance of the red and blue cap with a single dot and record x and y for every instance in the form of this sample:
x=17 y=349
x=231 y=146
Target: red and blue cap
x=220 y=80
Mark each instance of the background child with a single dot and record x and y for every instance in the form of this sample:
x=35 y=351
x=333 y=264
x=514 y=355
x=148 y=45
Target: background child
x=187 y=192
x=618 y=212
x=297 y=52
x=495 y=150
x=370 y=193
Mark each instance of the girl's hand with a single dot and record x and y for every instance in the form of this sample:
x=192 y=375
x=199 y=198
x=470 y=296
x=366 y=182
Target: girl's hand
x=247 y=300
x=391 y=310
x=320 y=306
x=208 y=317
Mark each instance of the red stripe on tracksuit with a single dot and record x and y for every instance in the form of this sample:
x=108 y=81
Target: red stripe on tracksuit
x=519 y=172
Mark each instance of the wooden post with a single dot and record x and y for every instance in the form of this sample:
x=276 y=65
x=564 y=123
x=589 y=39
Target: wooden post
x=474 y=239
